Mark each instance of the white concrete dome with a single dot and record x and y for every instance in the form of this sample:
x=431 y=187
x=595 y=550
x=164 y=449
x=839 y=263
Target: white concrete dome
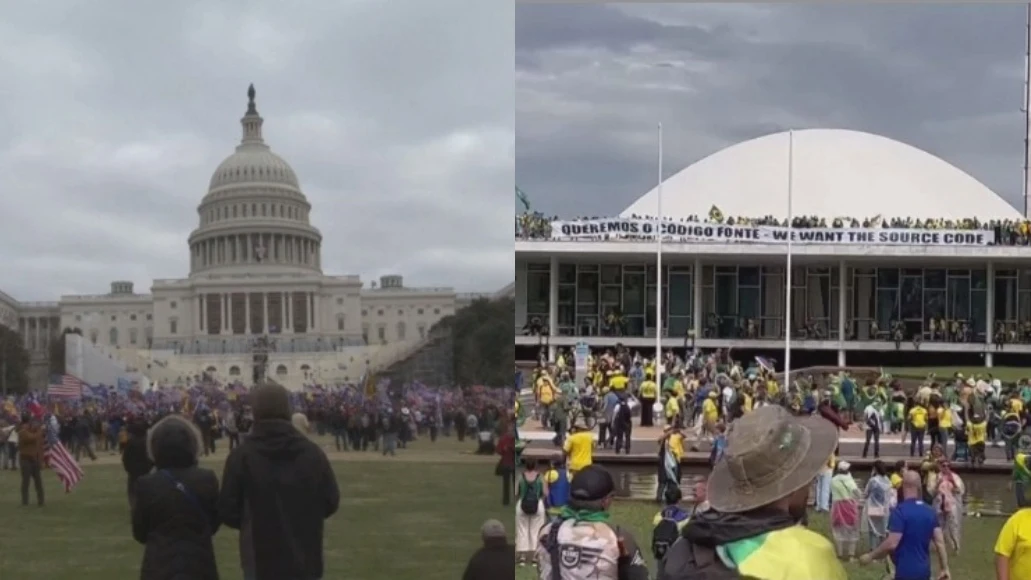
x=251 y=164
x=254 y=213
x=836 y=173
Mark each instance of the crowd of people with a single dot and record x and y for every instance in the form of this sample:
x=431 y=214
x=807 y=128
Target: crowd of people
x=772 y=448
x=534 y=225
x=277 y=486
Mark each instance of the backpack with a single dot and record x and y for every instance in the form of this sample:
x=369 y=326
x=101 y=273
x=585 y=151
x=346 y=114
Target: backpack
x=530 y=502
x=665 y=533
x=977 y=411
x=702 y=561
x=872 y=423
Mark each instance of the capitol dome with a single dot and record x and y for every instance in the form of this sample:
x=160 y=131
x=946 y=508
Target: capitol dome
x=253 y=164
x=254 y=213
x=835 y=173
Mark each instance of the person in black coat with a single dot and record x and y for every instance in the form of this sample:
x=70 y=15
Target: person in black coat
x=175 y=515
x=495 y=560
x=136 y=459
x=278 y=488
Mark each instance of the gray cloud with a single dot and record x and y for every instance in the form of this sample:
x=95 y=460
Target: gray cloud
x=398 y=118
x=592 y=82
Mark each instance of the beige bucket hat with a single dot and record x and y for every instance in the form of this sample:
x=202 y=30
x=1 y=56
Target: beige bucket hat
x=770 y=454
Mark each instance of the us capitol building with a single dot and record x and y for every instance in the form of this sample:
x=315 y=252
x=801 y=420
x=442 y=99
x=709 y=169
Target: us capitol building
x=255 y=277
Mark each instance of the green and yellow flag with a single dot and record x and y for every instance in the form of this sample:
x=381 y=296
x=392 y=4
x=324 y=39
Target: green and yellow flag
x=523 y=199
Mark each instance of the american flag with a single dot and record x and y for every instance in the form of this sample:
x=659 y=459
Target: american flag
x=65 y=387
x=57 y=457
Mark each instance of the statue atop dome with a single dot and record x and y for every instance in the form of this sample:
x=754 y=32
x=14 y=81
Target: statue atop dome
x=251 y=107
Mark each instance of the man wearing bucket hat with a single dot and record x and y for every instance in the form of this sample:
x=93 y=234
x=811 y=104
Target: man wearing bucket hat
x=581 y=543
x=757 y=494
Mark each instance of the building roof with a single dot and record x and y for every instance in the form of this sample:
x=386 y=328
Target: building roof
x=836 y=173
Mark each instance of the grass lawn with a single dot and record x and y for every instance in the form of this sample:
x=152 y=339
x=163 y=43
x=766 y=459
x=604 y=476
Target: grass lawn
x=1011 y=374
x=976 y=561
x=416 y=516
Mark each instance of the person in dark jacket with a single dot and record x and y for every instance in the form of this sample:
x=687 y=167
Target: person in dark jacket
x=175 y=515
x=494 y=561
x=135 y=459
x=278 y=488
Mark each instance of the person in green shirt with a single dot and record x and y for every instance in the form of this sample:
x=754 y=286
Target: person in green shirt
x=560 y=420
x=1021 y=483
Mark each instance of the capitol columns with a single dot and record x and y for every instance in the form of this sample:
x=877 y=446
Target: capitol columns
x=283 y=297
x=314 y=311
x=247 y=313
x=264 y=312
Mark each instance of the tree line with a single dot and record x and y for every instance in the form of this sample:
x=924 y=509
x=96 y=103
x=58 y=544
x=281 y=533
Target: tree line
x=483 y=345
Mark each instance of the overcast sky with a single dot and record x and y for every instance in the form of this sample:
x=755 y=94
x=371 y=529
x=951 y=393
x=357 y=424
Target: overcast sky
x=592 y=81
x=397 y=117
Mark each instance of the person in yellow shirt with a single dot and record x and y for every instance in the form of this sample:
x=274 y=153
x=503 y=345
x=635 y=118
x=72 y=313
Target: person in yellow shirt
x=618 y=382
x=671 y=452
x=944 y=425
x=672 y=410
x=579 y=449
x=546 y=393
x=1013 y=547
x=917 y=428
x=649 y=392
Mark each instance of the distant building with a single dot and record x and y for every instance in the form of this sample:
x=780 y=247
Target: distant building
x=255 y=270
x=958 y=293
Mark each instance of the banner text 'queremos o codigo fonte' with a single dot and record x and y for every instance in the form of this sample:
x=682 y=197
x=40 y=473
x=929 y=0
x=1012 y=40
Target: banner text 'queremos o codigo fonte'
x=643 y=229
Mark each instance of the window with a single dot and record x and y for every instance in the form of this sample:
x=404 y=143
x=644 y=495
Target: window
x=419 y=312
x=173 y=326
x=113 y=317
x=379 y=312
x=340 y=301
x=234 y=371
x=172 y=305
x=400 y=312
x=93 y=335
x=150 y=317
x=436 y=310
x=113 y=336
x=281 y=370
x=422 y=331
x=78 y=318
x=381 y=332
x=132 y=317
x=340 y=322
x=401 y=330
x=365 y=333
x=365 y=312
x=132 y=335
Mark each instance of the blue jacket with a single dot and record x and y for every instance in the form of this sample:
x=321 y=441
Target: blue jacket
x=558 y=490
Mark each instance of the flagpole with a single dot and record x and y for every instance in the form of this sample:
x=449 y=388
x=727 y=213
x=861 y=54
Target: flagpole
x=658 y=271
x=1026 y=109
x=787 y=276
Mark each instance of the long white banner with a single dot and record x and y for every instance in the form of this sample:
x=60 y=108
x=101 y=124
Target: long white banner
x=643 y=229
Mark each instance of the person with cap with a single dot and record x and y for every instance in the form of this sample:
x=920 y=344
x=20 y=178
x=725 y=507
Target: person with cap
x=912 y=528
x=278 y=488
x=757 y=496
x=493 y=561
x=582 y=543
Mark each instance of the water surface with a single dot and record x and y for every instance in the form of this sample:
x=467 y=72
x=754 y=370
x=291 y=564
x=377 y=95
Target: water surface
x=987 y=494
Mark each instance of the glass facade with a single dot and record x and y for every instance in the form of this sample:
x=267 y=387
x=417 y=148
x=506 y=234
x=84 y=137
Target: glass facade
x=749 y=302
